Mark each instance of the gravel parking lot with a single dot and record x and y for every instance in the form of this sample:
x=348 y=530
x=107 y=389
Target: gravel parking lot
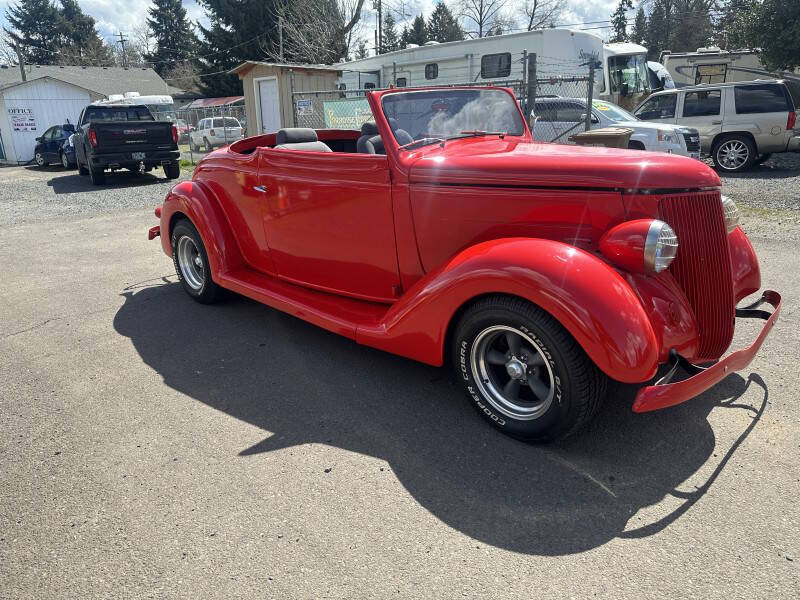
x=773 y=185
x=154 y=447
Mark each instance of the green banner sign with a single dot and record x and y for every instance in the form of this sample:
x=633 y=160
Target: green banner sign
x=350 y=113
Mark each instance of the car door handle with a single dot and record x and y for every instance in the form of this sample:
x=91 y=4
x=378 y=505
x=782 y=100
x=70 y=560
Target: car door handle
x=716 y=122
x=260 y=188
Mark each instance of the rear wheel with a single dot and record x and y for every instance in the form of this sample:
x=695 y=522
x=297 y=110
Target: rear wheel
x=40 y=160
x=172 y=170
x=524 y=372
x=64 y=161
x=734 y=153
x=97 y=175
x=635 y=146
x=208 y=145
x=191 y=263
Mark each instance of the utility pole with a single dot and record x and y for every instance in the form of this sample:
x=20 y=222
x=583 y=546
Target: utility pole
x=121 y=42
x=21 y=63
x=280 y=36
x=590 y=93
x=377 y=5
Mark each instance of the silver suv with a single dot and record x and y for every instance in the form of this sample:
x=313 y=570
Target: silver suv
x=740 y=123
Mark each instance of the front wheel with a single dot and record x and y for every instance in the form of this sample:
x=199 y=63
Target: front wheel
x=208 y=145
x=64 y=161
x=40 y=160
x=734 y=153
x=524 y=372
x=191 y=263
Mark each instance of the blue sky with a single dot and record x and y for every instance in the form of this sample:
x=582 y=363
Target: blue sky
x=115 y=15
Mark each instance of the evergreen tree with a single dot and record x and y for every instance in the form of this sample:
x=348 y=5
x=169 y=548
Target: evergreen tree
x=443 y=26
x=361 y=49
x=773 y=26
x=619 y=21
x=639 y=32
x=418 y=34
x=404 y=38
x=79 y=41
x=658 y=29
x=33 y=23
x=173 y=34
x=391 y=41
x=238 y=30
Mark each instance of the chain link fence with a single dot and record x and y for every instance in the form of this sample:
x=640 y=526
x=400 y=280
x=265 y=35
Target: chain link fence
x=204 y=128
x=552 y=95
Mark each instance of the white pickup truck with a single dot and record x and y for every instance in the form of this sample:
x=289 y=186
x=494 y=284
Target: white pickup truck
x=558 y=118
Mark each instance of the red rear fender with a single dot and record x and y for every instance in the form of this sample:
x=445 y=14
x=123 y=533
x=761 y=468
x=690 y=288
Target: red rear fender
x=589 y=298
x=196 y=202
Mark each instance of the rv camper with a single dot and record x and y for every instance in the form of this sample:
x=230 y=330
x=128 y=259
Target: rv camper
x=712 y=65
x=162 y=106
x=560 y=53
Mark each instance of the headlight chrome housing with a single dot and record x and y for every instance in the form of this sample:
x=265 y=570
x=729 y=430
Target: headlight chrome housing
x=731 y=212
x=660 y=247
x=666 y=136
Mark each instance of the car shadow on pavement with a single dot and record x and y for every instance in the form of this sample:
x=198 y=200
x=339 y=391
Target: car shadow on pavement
x=302 y=384
x=73 y=183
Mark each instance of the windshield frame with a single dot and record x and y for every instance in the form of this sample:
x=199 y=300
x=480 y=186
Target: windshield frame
x=381 y=96
x=623 y=61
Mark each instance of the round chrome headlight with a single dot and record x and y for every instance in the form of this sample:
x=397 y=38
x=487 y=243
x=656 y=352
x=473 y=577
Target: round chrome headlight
x=660 y=247
x=731 y=212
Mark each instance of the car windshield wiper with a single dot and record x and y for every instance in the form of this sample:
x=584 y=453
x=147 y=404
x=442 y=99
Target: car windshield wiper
x=422 y=142
x=480 y=132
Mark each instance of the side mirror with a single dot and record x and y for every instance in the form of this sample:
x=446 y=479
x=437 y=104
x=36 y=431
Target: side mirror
x=39 y=139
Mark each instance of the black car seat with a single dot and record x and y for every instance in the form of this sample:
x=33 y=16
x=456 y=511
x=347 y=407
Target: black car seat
x=299 y=138
x=370 y=142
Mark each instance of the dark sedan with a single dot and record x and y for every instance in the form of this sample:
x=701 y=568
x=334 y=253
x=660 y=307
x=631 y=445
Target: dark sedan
x=53 y=146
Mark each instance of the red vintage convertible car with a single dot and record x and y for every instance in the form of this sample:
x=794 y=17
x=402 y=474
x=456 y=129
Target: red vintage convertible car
x=442 y=232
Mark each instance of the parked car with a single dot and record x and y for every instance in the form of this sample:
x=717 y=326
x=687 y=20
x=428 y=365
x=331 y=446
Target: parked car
x=558 y=118
x=50 y=146
x=124 y=136
x=214 y=132
x=442 y=232
x=741 y=123
x=183 y=131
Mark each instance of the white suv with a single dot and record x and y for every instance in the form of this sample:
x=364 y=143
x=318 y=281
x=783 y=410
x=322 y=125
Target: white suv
x=558 y=118
x=216 y=131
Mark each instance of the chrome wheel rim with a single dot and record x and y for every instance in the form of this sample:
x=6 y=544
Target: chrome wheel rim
x=39 y=159
x=512 y=372
x=733 y=154
x=190 y=263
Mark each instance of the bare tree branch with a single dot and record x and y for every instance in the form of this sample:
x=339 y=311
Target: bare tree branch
x=483 y=16
x=541 y=13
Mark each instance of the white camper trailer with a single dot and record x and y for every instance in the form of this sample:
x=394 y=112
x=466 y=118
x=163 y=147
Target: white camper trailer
x=712 y=65
x=559 y=53
x=162 y=106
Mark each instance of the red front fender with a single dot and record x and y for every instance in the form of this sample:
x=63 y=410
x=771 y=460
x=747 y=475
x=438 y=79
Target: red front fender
x=591 y=300
x=203 y=210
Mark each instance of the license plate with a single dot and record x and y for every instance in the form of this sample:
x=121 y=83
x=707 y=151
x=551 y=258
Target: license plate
x=137 y=155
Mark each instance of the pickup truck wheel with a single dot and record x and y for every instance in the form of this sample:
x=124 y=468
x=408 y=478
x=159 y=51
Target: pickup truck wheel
x=208 y=145
x=82 y=170
x=172 y=170
x=97 y=176
x=524 y=372
x=191 y=263
x=734 y=153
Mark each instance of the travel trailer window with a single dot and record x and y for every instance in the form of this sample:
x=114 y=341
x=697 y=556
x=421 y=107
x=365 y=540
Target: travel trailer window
x=710 y=74
x=702 y=104
x=369 y=86
x=495 y=65
x=760 y=99
x=658 y=107
x=628 y=74
x=402 y=82
x=431 y=71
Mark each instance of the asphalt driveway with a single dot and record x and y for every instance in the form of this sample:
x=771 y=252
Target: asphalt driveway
x=150 y=446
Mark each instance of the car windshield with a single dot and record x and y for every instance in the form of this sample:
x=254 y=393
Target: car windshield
x=613 y=112
x=452 y=113
x=628 y=74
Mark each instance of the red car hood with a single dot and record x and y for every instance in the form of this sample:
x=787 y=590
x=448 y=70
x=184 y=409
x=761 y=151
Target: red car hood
x=496 y=162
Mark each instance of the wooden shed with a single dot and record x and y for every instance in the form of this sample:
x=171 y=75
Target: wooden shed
x=268 y=91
